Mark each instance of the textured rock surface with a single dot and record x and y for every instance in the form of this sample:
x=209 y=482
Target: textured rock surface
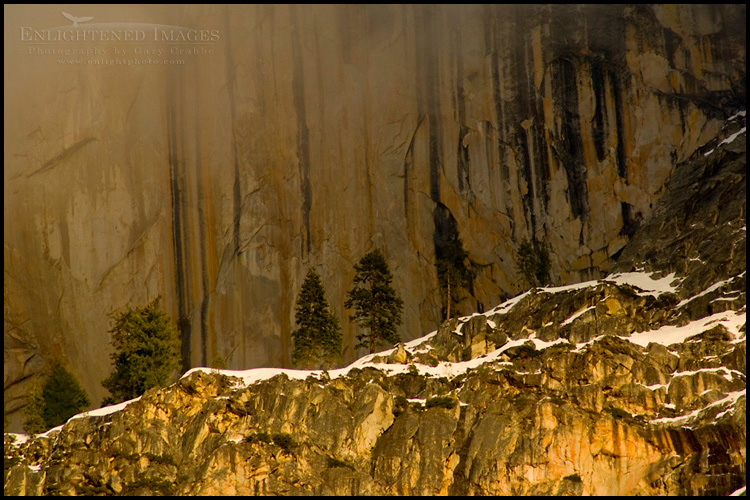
x=312 y=134
x=634 y=384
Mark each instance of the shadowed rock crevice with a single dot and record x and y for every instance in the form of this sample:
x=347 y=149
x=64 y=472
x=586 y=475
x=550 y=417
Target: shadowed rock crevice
x=570 y=148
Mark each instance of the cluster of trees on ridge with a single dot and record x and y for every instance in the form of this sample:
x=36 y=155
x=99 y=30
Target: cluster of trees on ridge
x=377 y=308
x=147 y=343
x=147 y=352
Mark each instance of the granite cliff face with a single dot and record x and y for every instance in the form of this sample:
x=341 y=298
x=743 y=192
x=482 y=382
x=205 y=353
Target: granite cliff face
x=312 y=134
x=630 y=384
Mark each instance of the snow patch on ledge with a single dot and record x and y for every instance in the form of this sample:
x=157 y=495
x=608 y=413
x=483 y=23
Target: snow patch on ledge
x=708 y=290
x=729 y=139
x=443 y=369
x=577 y=315
x=638 y=279
x=52 y=430
x=19 y=438
x=730 y=398
x=739 y=114
x=107 y=410
x=671 y=334
x=645 y=282
x=732 y=137
x=99 y=412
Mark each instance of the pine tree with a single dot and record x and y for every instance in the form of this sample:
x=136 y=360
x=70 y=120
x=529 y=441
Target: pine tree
x=376 y=305
x=453 y=275
x=318 y=334
x=533 y=262
x=147 y=351
x=63 y=396
x=51 y=401
x=34 y=408
x=219 y=362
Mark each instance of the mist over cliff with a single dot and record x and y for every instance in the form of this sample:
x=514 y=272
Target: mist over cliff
x=216 y=173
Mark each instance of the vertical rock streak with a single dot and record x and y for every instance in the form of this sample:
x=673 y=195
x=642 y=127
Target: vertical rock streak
x=236 y=185
x=628 y=224
x=463 y=171
x=570 y=146
x=491 y=42
x=201 y=179
x=598 y=131
x=177 y=191
x=444 y=223
x=513 y=37
x=303 y=132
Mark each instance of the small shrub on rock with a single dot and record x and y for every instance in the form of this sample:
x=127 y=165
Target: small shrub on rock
x=441 y=402
x=335 y=462
x=284 y=441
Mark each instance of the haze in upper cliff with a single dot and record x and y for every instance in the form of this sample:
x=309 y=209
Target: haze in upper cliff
x=263 y=140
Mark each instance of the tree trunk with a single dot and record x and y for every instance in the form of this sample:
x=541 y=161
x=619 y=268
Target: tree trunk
x=449 y=297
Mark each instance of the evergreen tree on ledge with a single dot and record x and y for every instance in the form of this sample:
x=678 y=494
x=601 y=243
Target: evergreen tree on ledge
x=376 y=305
x=317 y=339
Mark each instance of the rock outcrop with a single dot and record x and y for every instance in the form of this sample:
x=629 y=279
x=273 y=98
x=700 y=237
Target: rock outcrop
x=310 y=134
x=631 y=384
